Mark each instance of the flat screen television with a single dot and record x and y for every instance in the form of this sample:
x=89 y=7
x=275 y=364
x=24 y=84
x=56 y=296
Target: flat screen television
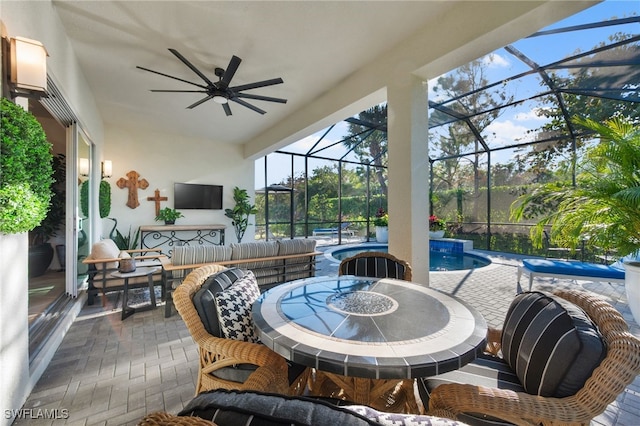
x=196 y=196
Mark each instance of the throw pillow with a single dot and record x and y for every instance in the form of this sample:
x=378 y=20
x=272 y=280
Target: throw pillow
x=384 y=418
x=234 y=308
x=204 y=302
x=543 y=344
x=232 y=408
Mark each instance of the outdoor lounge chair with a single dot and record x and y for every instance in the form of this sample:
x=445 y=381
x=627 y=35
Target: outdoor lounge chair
x=334 y=231
x=572 y=270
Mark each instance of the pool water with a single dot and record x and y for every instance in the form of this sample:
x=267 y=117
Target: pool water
x=438 y=260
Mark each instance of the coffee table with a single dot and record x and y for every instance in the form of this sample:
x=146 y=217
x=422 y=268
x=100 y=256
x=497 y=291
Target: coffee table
x=140 y=271
x=367 y=334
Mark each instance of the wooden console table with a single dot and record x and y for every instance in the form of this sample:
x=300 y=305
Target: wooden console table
x=166 y=236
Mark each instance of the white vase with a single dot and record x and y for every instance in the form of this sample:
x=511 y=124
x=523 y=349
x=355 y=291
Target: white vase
x=436 y=234
x=632 y=288
x=382 y=234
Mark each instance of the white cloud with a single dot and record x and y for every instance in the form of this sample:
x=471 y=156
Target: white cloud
x=493 y=60
x=502 y=133
x=531 y=115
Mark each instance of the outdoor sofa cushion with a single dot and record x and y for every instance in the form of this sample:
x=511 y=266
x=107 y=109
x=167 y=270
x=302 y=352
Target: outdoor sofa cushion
x=204 y=299
x=189 y=255
x=251 y=408
x=551 y=344
x=566 y=267
x=300 y=267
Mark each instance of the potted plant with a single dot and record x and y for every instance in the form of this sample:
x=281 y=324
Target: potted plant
x=603 y=208
x=169 y=215
x=240 y=213
x=437 y=227
x=381 y=222
x=26 y=175
x=40 y=249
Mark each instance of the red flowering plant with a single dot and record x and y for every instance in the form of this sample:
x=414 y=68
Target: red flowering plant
x=436 y=224
x=382 y=218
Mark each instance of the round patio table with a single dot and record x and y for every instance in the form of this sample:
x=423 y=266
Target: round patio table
x=354 y=329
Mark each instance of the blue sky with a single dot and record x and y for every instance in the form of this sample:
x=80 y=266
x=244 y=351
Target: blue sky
x=512 y=126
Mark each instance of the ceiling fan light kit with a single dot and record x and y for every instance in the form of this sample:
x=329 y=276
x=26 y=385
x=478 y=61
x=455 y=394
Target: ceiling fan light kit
x=220 y=91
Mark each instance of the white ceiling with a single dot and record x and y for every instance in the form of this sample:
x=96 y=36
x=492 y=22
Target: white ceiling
x=319 y=48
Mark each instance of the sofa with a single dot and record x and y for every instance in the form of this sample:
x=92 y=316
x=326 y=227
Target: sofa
x=272 y=262
x=252 y=408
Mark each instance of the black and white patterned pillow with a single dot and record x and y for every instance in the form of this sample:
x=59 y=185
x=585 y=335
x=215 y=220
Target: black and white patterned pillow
x=392 y=419
x=234 y=308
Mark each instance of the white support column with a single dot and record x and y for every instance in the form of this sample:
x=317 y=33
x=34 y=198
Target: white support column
x=408 y=199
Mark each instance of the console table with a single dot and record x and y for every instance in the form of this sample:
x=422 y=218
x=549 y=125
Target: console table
x=166 y=236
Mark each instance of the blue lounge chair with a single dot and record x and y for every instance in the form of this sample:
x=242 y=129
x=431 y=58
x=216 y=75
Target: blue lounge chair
x=571 y=270
x=333 y=231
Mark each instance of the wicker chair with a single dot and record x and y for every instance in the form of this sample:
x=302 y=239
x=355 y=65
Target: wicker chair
x=218 y=353
x=377 y=265
x=619 y=368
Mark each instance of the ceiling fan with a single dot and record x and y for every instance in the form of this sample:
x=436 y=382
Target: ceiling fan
x=220 y=91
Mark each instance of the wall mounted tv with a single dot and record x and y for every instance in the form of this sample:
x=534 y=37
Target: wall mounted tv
x=196 y=196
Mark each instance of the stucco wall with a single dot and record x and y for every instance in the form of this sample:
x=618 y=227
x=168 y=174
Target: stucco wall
x=163 y=159
x=38 y=21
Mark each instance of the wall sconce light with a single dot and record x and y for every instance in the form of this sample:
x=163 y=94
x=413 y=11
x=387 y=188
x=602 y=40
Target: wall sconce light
x=107 y=169
x=83 y=167
x=28 y=67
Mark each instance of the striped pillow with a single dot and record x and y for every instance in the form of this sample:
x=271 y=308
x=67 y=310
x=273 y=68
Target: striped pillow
x=378 y=267
x=253 y=251
x=187 y=255
x=296 y=246
x=539 y=342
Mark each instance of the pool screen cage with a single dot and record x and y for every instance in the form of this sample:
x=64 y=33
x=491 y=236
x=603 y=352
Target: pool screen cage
x=497 y=126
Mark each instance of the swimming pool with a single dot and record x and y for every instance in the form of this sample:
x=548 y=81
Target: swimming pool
x=439 y=260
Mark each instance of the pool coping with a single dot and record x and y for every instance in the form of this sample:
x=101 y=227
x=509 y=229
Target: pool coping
x=328 y=254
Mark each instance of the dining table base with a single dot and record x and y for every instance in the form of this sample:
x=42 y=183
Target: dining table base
x=391 y=395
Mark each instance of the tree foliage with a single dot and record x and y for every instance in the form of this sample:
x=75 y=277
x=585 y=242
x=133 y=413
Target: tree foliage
x=370 y=143
x=603 y=208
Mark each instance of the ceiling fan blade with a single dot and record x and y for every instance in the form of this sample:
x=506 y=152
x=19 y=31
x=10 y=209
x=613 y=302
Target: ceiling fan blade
x=170 y=76
x=234 y=63
x=201 y=101
x=257 y=84
x=248 y=105
x=191 y=66
x=227 y=109
x=178 y=91
x=260 y=98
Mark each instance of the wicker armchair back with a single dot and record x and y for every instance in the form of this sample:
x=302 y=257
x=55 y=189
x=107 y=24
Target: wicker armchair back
x=219 y=353
x=618 y=369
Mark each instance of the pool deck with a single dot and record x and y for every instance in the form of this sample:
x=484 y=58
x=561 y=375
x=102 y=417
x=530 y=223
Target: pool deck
x=112 y=372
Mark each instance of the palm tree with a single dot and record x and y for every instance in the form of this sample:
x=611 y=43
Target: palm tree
x=603 y=208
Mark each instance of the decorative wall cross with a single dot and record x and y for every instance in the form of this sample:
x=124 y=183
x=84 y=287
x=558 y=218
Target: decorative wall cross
x=132 y=183
x=157 y=198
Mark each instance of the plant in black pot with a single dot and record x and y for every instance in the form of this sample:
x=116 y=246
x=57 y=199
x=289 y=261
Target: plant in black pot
x=169 y=215
x=40 y=250
x=25 y=171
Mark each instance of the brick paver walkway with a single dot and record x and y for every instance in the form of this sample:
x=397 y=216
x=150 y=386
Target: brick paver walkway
x=112 y=372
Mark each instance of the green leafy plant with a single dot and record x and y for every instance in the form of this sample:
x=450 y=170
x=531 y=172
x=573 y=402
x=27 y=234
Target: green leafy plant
x=169 y=215
x=55 y=217
x=128 y=242
x=104 y=198
x=25 y=170
x=240 y=213
x=382 y=218
x=603 y=207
